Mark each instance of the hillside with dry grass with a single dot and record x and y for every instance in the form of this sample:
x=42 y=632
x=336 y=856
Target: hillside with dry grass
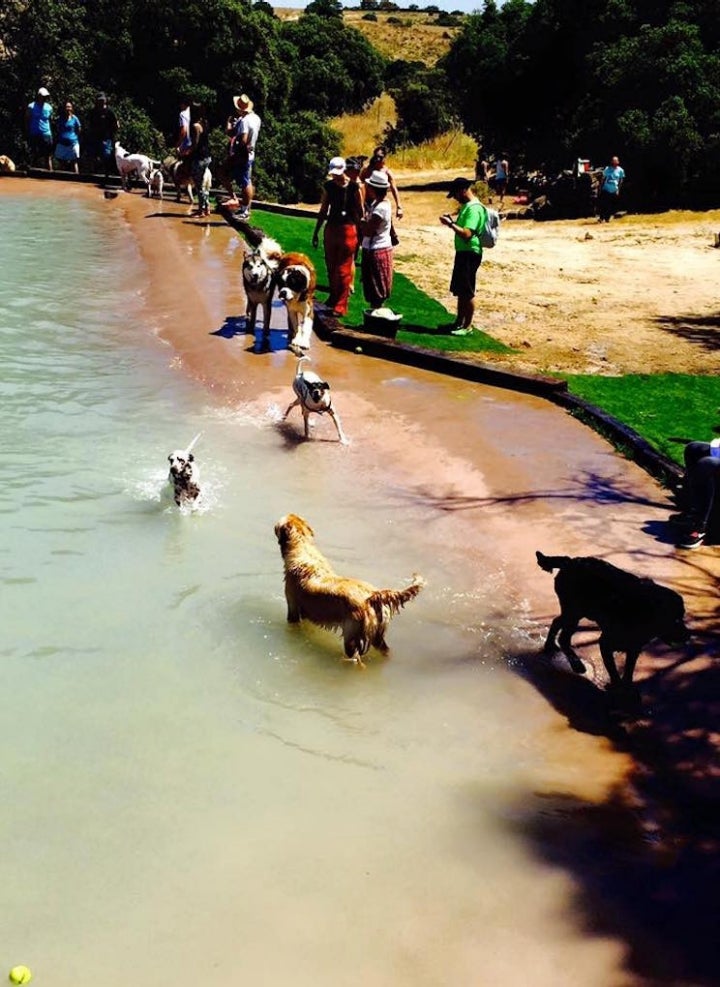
x=413 y=36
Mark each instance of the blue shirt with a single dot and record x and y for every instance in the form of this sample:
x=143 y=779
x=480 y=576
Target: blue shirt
x=40 y=114
x=69 y=130
x=612 y=178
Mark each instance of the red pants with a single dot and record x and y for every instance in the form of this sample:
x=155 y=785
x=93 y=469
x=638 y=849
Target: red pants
x=340 y=245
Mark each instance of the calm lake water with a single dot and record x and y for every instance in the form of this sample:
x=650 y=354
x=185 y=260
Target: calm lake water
x=194 y=792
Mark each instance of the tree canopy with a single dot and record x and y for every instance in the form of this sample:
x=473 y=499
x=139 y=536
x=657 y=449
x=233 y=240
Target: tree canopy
x=145 y=56
x=553 y=80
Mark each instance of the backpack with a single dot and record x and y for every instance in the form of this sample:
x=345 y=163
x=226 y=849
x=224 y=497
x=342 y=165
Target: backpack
x=491 y=231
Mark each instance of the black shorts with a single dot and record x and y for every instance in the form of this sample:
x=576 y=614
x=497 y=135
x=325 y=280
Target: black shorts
x=462 y=283
x=41 y=144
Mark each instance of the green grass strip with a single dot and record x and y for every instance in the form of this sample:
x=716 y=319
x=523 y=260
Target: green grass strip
x=421 y=314
x=657 y=406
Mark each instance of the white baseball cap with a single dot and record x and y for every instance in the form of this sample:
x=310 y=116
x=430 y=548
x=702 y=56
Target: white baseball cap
x=336 y=166
x=42 y=91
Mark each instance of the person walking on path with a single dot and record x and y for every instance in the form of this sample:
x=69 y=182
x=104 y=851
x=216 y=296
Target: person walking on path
x=341 y=212
x=610 y=185
x=467 y=227
x=67 y=149
x=502 y=174
x=38 y=124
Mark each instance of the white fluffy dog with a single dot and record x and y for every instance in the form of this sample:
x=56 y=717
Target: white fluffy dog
x=156 y=183
x=134 y=165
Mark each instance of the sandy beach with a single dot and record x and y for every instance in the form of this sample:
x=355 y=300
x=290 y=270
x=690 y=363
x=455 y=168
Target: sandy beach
x=511 y=473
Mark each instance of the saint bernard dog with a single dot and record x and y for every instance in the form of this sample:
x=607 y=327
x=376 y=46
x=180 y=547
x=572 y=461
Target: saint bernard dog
x=296 y=280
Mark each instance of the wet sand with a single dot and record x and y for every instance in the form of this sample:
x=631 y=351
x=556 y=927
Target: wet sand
x=506 y=474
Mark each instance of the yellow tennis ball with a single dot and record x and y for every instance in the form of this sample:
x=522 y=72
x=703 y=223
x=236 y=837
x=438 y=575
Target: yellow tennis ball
x=20 y=975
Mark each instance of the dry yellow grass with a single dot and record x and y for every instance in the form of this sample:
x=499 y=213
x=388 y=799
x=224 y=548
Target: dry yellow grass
x=416 y=39
x=360 y=132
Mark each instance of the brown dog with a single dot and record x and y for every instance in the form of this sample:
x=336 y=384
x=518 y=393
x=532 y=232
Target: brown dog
x=629 y=611
x=314 y=591
x=296 y=281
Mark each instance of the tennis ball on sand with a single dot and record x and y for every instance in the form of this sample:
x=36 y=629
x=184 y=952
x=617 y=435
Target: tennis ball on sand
x=20 y=975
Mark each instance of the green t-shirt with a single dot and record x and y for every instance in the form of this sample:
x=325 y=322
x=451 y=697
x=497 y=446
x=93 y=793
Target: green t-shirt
x=472 y=216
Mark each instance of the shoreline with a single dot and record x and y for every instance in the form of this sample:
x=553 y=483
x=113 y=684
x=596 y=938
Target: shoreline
x=507 y=474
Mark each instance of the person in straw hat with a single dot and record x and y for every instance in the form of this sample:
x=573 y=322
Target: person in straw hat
x=243 y=131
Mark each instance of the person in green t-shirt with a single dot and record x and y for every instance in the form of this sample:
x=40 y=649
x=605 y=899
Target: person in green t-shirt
x=467 y=227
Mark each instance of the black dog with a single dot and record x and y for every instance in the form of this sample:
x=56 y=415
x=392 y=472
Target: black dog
x=629 y=611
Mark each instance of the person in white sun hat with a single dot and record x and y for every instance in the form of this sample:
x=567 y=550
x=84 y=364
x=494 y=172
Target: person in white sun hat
x=377 y=248
x=341 y=212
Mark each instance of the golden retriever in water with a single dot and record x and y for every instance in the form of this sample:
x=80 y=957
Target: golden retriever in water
x=314 y=591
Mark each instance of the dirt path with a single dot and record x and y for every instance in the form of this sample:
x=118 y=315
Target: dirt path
x=637 y=295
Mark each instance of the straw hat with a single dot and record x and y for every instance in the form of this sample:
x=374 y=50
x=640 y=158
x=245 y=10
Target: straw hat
x=243 y=103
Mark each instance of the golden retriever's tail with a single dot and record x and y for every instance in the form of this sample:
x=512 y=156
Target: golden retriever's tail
x=550 y=562
x=395 y=599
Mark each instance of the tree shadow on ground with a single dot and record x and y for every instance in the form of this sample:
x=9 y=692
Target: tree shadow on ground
x=647 y=860
x=589 y=487
x=704 y=331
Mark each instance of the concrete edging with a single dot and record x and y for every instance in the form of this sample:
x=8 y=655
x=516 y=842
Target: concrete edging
x=550 y=388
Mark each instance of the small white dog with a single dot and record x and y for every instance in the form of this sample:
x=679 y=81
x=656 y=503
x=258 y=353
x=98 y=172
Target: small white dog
x=313 y=395
x=184 y=475
x=156 y=183
x=129 y=165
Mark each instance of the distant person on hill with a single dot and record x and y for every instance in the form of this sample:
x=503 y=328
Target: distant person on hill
x=481 y=168
x=502 y=175
x=67 y=149
x=341 y=212
x=38 y=124
x=610 y=185
x=102 y=131
x=702 y=488
x=467 y=227
x=375 y=164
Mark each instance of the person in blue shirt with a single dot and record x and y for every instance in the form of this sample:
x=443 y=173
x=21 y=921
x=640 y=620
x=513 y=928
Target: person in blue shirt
x=610 y=185
x=67 y=148
x=38 y=117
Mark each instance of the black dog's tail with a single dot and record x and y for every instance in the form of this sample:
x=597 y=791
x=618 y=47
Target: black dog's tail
x=550 y=562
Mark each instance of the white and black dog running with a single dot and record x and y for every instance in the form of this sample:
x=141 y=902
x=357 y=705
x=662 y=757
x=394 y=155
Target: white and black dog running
x=184 y=475
x=313 y=397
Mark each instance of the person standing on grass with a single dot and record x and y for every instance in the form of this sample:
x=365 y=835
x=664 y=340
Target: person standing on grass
x=610 y=184
x=377 y=249
x=467 y=227
x=341 y=211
